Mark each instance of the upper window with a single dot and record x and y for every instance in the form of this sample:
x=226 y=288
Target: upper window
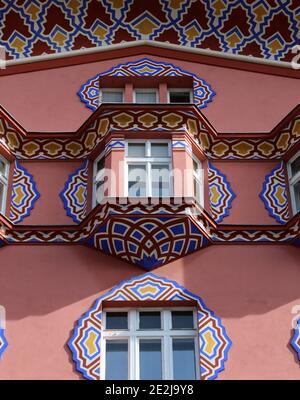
x=3 y=183
x=150 y=344
x=148 y=168
x=180 y=96
x=294 y=179
x=111 y=96
x=145 y=96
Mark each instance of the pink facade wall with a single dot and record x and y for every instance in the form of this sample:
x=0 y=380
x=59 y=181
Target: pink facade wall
x=46 y=289
x=50 y=178
x=245 y=101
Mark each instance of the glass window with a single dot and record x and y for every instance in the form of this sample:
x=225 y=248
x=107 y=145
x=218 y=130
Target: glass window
x=160 y=179
x=159 y=149
x=136 y=149
x=116 y=365
x=116 y=320
x=197 y=181
x=148 y=169
x=99 y=180
x=145 y=96
x=179 y=96
x=294 y=180
x=150 y=359
x=150 y=320
x=182 y=320
x=111 y=96
x=151 y=347
x=3 y=183
x=184 y=366
x=137 y=177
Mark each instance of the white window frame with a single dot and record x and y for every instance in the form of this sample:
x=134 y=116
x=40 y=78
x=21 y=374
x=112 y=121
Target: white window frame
x=103 y=90
x=148 y=161
x=133 y=335
x=199 y=177
x=95 y=172
x=4 y=181
x=141 y=90
x=180 y=90
x=292 y=181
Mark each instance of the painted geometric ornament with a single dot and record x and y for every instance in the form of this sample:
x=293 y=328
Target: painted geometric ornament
x=89 y=91
x=220 y=194
x=148 y=242
x=3 y=341
x=24 y=194
x=295 y=342
x=85 y=342
x=74 y=194
x=274 y=194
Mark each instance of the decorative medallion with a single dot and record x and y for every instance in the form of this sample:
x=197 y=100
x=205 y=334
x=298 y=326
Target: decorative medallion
x=220 y=193
x=85 y=345
x=74 y=194
x=274 y=194
x=149 y=242
x=24 y=194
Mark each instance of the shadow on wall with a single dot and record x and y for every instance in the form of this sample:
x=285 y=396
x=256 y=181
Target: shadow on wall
x=234 y=281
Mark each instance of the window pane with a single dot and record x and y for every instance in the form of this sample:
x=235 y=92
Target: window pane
x=180 y=97
x=297 y=195
x=295 y=166
x=150 y=320
x=101 y=164
x=136 y=149
x=145 y=97
x=160 y=178
x=182 y=320
x=184 y=359
x=112 y=97
x=116 y=360
x=150 y=359
x=116 y=320
x=159 y=150
x=1 y=196
x=137 y=180
x=2 y=167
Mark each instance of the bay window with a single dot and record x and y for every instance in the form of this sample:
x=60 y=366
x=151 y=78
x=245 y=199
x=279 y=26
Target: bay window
x=99 y=180
x=150 y=344
x=294 y=180
x=148 y=169
x=3 y=183
x=198 y=180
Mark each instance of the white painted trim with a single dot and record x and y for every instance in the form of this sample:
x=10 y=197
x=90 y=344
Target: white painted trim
x=137 y=43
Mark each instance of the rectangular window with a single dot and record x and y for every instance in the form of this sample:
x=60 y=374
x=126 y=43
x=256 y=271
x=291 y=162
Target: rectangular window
x=150 y=359
x=145 y=96
x=99 y=180
x=4 y=170
x=180 y=96
x=148 y=169
x=159 y=343
x=198 y=181
x=294 y=180
x=111 y=96
x=116 y=363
